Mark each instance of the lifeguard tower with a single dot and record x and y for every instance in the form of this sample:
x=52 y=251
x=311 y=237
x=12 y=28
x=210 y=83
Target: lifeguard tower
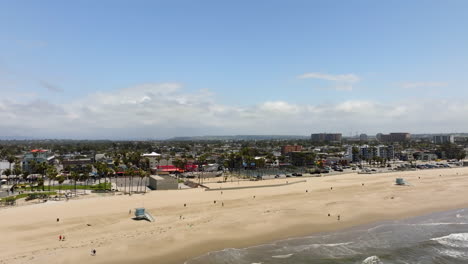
x=141 y=213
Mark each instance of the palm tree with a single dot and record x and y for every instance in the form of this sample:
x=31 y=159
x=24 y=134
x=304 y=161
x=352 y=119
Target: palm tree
x=25 y=176
x=100 y=167
x=116 y=168
x=51 y=174
x=40 y=183
x=142 y=174
x=128 y=173
x=10 y=160
x=75 y=176
x=60 y=180
x=158 y=158
x=7 y=173
x=17 y=170
x=84 y=177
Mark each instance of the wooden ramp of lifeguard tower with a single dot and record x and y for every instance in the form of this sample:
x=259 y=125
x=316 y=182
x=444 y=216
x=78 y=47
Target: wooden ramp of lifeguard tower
x=142 y=214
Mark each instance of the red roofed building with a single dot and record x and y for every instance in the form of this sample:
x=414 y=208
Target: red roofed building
x=172 y=168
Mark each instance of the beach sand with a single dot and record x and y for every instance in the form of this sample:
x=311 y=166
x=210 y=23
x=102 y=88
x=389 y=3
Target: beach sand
x=239 y=218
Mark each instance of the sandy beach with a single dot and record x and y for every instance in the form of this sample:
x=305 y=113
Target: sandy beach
x=218 y=219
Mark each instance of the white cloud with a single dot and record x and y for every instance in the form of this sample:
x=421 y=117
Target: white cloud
x=346 y=78
x=343 y=87
x=410 y=85
x=50 y=86
x=166 y=109
x=342 y=82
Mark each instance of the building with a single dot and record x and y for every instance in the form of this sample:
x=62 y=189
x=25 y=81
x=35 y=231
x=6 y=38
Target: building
x=153 y=158
x=162 y=182
x=363 y=137
x=385 y=152
x=369 y=152
x=394 y=137
x=37 y=156
x=326 y=137
x=443 y=139
x=77 y=162
x=290 y=148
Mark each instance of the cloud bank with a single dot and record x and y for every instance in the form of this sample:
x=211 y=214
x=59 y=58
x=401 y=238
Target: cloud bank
x=158 y=110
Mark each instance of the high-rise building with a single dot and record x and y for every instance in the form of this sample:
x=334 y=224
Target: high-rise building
x=443 y=139
x=363 y=137
x=326 y=137
x=394 y=137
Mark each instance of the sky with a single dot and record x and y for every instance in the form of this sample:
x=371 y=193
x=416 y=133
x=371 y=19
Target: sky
x=115 y=69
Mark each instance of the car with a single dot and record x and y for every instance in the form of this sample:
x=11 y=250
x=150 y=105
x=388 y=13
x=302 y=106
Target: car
x=296 y=174
x=288 y=175
x=277 y=176
x=373 y=170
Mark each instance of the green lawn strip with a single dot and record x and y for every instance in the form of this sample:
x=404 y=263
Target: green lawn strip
x=101 y=186
x=24 y=195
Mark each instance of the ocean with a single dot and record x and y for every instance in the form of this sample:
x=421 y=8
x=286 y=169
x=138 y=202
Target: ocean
x=439 y=238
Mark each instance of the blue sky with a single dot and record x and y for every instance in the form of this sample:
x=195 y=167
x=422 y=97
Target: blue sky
x=308 y=59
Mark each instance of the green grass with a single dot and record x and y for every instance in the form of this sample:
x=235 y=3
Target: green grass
x=24 y=195
x=101 y=186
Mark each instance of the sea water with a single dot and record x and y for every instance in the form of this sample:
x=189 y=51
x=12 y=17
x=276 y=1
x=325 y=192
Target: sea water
x=439 y=238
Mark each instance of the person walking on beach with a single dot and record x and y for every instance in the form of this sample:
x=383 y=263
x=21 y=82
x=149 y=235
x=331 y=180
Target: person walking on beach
x=93 y=252
x=60 y=238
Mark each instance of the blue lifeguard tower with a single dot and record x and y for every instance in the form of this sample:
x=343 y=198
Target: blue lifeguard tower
x=141 y=213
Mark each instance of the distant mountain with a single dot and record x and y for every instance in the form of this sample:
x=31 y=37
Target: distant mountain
x=237 y=137
x=16 y=138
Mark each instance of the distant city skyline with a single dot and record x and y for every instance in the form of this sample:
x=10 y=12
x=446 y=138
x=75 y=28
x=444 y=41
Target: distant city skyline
x=160 y=69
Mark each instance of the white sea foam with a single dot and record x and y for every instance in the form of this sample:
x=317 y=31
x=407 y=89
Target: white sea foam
x=338 y=247
x=372 y=260
x=282 y=256
x=457 y=240
x=453 y=253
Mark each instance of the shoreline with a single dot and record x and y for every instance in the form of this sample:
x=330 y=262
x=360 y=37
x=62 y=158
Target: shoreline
x=353 y=228
x=215 y=246
x=238 y=219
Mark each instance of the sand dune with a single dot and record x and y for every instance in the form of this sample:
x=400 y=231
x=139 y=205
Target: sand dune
x=30 y=233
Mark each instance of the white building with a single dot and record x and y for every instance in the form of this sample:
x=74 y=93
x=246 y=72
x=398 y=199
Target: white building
x=442 y=139
x=153 y=158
